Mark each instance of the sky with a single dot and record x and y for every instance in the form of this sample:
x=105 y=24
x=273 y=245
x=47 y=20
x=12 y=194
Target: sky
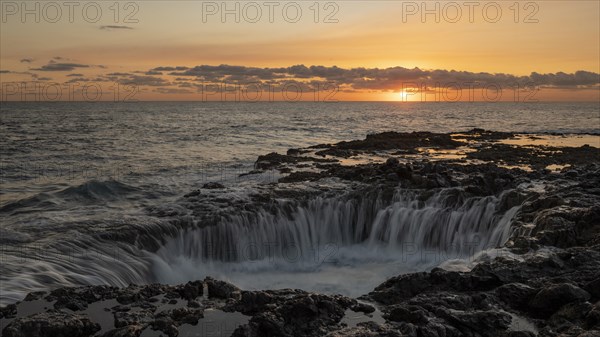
x=301 y=50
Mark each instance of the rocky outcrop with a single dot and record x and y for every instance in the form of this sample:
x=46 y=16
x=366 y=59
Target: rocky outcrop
x=293 y=314
x=52 y=324
x=393 y=141
x=482 y=302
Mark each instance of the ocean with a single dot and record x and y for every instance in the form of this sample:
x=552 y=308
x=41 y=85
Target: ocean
x=75 y=177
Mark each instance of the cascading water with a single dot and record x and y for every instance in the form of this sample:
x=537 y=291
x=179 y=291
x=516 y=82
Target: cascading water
x=353 y=244
x=346 y=244
x=71 y=263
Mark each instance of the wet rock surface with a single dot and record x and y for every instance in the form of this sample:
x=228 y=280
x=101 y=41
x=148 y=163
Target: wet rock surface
x=544 y=281
x=52 y=324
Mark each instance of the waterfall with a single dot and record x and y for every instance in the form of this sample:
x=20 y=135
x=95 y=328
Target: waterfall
x=345 y=231
x=346 y=244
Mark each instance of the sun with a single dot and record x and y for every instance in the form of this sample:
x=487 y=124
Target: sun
x=403 y=96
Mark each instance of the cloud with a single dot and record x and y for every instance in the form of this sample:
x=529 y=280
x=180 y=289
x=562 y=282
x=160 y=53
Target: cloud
x=172 y=91
x=223 y=71
x=115 y=27
x=133 y=78
x=579 y=78
x=144 y=81
x=26 y=60
x=53 y=66
x=381 y=79
x=169 y=68
x=77 y=80
x=182 y=79
x=5 y=71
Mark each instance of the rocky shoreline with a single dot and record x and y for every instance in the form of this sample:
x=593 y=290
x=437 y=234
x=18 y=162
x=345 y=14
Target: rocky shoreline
x=544 y=281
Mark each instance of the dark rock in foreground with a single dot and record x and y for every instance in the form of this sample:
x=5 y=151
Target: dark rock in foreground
x=52 y=324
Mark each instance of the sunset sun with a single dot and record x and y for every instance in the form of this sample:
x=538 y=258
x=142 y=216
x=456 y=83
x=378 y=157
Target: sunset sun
x=402 y=96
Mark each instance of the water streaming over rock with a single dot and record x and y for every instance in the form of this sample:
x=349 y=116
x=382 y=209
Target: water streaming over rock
x=325 y=233
x=290 y=243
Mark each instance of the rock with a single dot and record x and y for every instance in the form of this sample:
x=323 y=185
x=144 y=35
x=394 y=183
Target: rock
x=541 y=203
x=572 y=312
x=291 y=313
x=243 y=331
x=392 y=177
x=191 y=290
x=522 y=245
x=404 y=172
x=591 y=333
x=301 y=176
x=74 y=304
x=551 y=298
x=511 y=199
x=392 y=162
x=9 y=311
x=521 y=334
x=367 y=329
x=275 y=160
x=431 y=329
x=516 y=295
x=51 y=324
x=593 y=287
x=36 y=295
x=127 y=331
x=192 y=194
x=165 y=324
x=254 y=301
x=406 y=286
x=311 y=314
x=552 y=227
x=571 y=173
x=484 y=323
x=213 y=186
x=362 y=307
x=184 y=315
x=80 y=297
x=334 y=152
x=167 y=321
x=399 y=140
x=127 y=296
x=193 y=304
x=409 y=314
x=137 y=317
x=221 y=289
x=263 y=324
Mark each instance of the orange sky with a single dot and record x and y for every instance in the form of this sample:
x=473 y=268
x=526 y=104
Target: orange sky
x=544 y=37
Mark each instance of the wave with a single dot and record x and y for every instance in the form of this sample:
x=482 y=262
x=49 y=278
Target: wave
x=95 y=190
x=90 y=192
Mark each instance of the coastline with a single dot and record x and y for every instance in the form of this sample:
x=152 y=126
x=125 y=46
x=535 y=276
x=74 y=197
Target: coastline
x=544 y=284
